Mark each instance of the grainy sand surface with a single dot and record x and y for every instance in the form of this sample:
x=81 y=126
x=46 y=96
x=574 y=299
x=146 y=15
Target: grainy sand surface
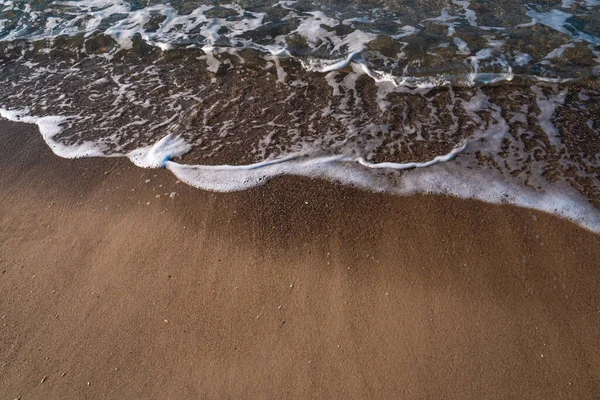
x=113 y=287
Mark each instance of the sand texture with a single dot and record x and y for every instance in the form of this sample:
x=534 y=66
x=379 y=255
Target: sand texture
x=120 y=283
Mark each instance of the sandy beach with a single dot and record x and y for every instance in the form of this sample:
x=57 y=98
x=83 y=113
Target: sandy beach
x=121 y=283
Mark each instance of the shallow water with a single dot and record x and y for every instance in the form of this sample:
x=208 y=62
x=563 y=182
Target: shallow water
x=493 y=100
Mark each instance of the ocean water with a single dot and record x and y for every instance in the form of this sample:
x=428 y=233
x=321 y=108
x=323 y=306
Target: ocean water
x=494 y=100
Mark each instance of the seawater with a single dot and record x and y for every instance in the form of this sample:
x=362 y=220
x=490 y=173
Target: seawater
x=493 y=100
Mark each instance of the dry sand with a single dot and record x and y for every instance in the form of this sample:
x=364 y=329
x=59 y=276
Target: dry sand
x=110 y=288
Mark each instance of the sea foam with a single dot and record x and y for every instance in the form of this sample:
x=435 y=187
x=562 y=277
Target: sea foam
x=437 y=176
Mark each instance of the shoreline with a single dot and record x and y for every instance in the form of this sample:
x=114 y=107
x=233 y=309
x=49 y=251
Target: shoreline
x=296 y=288
x=560 y=200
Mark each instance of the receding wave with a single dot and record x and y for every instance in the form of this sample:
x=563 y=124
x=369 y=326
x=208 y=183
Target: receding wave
x=497 y=103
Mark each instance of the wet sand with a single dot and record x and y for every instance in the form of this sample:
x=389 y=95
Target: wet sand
x=111 y=286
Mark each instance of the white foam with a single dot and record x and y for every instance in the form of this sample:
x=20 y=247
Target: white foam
x=49 y=127
x=159 y=154
x=311 y=28
x=522 y=59
x=411 y=165
x=406 y=30
x=230 y=178
x=547 y=106
x=439 y=178
x=491 y=187
x=585 y=3
x=445 y=19
x=475 y=76
x=319 y=65
x=557 y=20
x=212 y=63
x=559 y=51
x=154 y=156
x=462 y=46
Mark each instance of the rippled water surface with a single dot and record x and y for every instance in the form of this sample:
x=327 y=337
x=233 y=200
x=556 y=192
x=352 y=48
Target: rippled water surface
x=497 y=100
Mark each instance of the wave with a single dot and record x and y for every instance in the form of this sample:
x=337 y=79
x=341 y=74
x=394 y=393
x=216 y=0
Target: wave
x=228 y=96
